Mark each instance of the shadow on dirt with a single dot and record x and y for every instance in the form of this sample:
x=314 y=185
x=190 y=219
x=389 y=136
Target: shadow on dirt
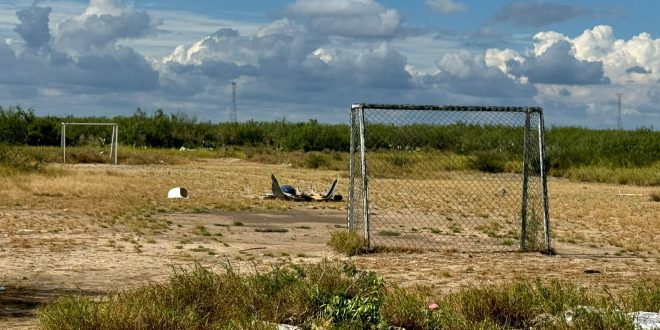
x=23 y=302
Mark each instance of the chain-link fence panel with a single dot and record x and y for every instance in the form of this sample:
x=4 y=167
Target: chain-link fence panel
x=452 y=178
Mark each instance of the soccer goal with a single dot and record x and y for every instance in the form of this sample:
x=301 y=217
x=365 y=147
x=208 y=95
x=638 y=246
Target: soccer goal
x=459 y=178
x=113 y=138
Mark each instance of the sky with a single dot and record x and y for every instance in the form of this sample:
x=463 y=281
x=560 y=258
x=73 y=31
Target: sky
x=311 y=59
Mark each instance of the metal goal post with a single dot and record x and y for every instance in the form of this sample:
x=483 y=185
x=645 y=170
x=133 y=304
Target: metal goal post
x=113 y=139
x=463 y=178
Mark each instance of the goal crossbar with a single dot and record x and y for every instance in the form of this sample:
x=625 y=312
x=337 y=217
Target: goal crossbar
x=460 y=108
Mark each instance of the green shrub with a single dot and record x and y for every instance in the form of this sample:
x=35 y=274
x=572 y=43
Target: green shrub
x=316 y=160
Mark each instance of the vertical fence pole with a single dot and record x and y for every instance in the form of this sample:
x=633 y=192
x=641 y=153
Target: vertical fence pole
x=365 y=183
x=523 y=208
x=112 y=143
x=63 y=143
x=544 y=183
x=116 y=142
x=351 y=173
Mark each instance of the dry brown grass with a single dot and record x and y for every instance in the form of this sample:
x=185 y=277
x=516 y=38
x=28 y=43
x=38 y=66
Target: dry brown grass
x=84 y=196
x=598 y=215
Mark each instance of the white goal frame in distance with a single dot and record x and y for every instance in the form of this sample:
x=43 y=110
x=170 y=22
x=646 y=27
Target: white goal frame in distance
x=358 y=155
x=113 y=139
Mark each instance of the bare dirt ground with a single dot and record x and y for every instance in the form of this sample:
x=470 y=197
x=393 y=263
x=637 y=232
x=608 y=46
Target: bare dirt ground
x=95 y=229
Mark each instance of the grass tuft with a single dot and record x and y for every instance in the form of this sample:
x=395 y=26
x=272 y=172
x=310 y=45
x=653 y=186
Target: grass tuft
x=389 y=233
x=201 y=231
x=348 y=242
x=655 y=197
x=271 y=230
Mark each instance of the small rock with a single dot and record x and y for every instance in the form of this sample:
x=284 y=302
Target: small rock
x=433 y=306
x=592 y=271
x=2 y=288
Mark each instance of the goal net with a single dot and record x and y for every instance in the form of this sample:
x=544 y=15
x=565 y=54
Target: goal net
x=462 y=178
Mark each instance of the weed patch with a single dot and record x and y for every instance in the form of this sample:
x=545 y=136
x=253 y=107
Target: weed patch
x=271 y=230
x=347 y=242
x=201 y=231
x=389 y=233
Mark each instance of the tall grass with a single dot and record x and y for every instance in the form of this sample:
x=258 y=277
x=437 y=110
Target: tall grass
x=200 y=299
x=21 y=160
x=334 y=295
x=641 y=176
x=14 y=158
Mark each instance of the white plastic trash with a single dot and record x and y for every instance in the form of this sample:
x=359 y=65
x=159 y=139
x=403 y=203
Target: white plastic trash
x=645 y=320
x=177 y=192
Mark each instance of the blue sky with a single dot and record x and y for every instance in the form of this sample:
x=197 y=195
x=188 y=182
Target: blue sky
x=304 y=59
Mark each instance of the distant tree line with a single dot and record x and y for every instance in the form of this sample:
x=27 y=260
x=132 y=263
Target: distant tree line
x=566 y=146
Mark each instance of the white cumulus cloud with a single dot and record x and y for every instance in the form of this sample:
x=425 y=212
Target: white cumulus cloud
x=468 y=74
x=335 y=7
x=618 y=56
x=350 y=18
x=104 y=7
x=581 y=75
x=446 y=6
x=103 y=23
x=636 y=60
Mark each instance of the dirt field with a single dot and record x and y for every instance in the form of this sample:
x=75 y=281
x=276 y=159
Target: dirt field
x=93 y=229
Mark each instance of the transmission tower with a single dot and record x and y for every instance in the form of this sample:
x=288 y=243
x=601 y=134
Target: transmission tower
x=232 y=114
x=620 y=126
